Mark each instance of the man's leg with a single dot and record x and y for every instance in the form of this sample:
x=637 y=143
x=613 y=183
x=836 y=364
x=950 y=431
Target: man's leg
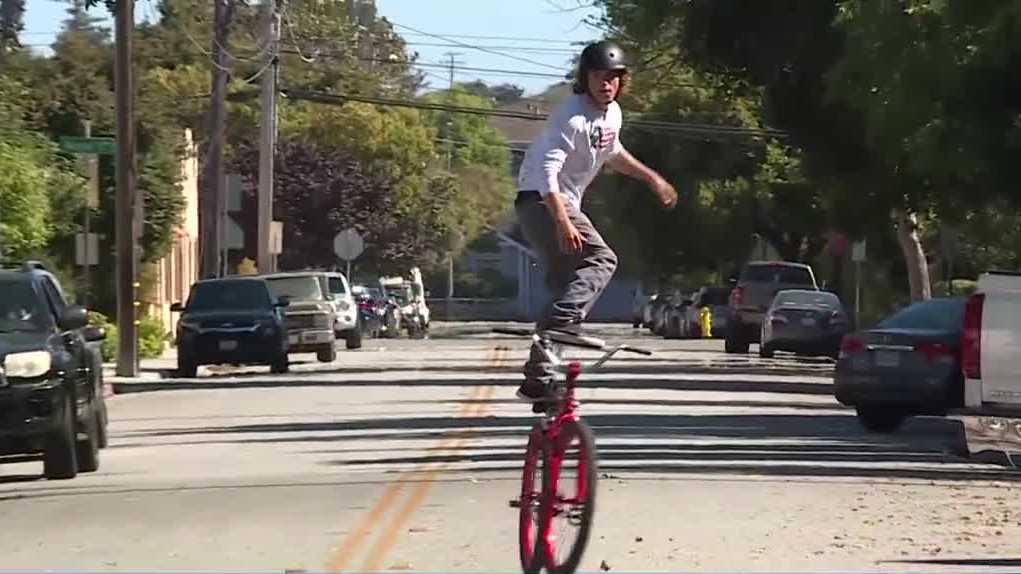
x=575 y=282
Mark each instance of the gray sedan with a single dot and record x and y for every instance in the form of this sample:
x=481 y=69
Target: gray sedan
x=805 y=322
x=909 y=364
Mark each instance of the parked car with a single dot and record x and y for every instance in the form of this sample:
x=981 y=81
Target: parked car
x=991 y=346
x=673 y=316
x=409 y=295
x=909 y=364
x=235 y=321
x=805 y=322
x=310 y=315
x=715 y=298
x=648 y=310
x=752 y=294
x=638 y=304
x=345 y=310
x=371 y=309
x=51 y=386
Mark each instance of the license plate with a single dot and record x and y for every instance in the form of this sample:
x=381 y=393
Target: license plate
x=808 y=322
x=887 y=359
x=310 y=337
x=228 y=345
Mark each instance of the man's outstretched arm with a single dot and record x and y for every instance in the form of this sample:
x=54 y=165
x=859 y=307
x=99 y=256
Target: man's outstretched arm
x=626 y=163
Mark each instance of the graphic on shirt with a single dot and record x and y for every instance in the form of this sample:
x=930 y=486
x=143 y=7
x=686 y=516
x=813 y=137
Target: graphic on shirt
x=601 y=138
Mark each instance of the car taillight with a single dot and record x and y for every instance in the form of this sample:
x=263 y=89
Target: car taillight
x=778 y=320
x=971 y=337
x=851 y=345
x=736 y=297
x=935 y=351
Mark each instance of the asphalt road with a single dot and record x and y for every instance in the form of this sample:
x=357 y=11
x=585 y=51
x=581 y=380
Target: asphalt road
x=402 y=457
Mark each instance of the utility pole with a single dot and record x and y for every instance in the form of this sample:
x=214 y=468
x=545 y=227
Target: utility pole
x=212 y=200
x=127 y=356
x=452 y=62
x=267 y=141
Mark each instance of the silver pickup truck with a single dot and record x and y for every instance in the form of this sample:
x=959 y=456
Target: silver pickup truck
x=310 y=317
x=753 y=293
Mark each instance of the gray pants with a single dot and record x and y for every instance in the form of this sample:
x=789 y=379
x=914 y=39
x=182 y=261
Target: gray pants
x=575 y=280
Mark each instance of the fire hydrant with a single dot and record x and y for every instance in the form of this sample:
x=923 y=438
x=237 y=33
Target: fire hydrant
x=705 y=321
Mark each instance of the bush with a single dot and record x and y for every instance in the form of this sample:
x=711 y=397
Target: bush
x=151 y=338
x=108 y=349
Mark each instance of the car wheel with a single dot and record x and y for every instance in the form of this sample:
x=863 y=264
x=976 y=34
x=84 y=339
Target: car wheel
x=354 y=339
x=60 y=457
x=734 y=345
x=327 y=355
x=88 y=447
x=765 y=351
x=186 y=367
x=280 y=365
x=100 y=399
x=881 y=419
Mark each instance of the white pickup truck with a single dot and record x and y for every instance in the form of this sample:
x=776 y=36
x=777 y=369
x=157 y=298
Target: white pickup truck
x=991 y=346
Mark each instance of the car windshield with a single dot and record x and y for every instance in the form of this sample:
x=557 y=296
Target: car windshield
x=788 y=274
x=337 y=286
x=229 y=295
x=401 y=292
x=941 y=314
x=716 y=297
x=21 y=308
x=807 y=299
x=298 y=288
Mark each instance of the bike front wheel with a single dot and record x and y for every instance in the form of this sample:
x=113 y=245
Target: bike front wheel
x=569 y=496
x=530 y=541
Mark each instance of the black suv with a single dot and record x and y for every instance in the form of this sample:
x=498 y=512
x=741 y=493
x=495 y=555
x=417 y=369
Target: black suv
x=233 y=321
x=51 y=382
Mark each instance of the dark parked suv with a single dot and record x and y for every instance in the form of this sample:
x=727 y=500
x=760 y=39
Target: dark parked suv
x=51 y=382
x=233 y=321
x=753 y=293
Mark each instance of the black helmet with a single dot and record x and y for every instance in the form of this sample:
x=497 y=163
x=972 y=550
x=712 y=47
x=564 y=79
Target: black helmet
x=604 y=55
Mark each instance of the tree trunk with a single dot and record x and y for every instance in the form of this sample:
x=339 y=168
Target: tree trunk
x=914 y=256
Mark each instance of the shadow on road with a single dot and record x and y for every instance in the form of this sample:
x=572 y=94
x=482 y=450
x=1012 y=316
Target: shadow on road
x=785 y=445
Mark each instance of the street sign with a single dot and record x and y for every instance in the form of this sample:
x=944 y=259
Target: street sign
x=233 y=193
x=276 y=237
x=75 y=144
x=86 y=254
x=858 y=251
x=234 y=235
x=348 y=244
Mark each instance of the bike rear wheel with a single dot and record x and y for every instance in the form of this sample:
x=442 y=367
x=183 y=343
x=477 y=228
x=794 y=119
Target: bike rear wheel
x=569 y=496
x=529 y=518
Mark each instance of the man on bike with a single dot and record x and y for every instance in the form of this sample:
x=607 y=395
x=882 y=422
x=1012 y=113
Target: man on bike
x=579 y=136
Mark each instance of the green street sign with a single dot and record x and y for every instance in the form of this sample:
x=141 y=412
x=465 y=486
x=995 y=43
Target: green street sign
x=74 y=144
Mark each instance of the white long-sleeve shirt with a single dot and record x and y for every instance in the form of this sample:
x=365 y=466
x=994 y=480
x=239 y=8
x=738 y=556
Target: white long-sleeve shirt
x=575 y=142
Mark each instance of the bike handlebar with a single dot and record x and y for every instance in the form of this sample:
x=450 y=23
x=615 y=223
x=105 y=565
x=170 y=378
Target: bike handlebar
x=574 y=341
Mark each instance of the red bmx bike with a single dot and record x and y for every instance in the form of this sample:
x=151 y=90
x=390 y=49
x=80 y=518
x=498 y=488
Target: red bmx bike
x=558 y=481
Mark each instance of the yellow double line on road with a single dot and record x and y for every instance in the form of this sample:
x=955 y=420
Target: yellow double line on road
x=418 y=480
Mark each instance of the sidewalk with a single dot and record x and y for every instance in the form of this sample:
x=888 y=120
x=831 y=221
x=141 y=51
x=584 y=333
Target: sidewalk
x=148 y=370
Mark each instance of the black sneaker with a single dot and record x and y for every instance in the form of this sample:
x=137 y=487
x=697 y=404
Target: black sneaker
x=533 y=391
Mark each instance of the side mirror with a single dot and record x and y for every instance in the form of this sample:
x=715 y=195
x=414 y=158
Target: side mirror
x=74 y=317
x=732 y=281
x=92 y=333
x=283 y=301
x=177 y=308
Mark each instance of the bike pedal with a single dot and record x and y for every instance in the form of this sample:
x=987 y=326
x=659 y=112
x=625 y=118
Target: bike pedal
x=514 y=503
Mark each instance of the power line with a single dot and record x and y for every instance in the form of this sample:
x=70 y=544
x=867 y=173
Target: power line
x=681 y=128
x=558 y=51
x=498 y=38
x=479 y=48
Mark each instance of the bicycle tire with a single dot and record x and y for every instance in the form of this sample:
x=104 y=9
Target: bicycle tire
x=589 y=470
x=531 y=550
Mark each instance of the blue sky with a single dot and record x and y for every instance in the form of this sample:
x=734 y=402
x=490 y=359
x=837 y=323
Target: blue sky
x=541 y=31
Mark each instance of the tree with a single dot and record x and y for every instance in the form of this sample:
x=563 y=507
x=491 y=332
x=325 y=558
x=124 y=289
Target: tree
x=499 y=94
x=12 y=22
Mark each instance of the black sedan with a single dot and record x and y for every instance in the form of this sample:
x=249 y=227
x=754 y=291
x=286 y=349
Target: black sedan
x=909 y=364
x=803 y=321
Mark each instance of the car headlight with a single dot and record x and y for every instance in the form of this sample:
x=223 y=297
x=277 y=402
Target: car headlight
x=187 y=326
x=28 y=365
x=344 y=305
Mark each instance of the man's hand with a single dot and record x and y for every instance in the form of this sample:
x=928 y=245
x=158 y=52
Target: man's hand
x=666 y=192
x=571 y=241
